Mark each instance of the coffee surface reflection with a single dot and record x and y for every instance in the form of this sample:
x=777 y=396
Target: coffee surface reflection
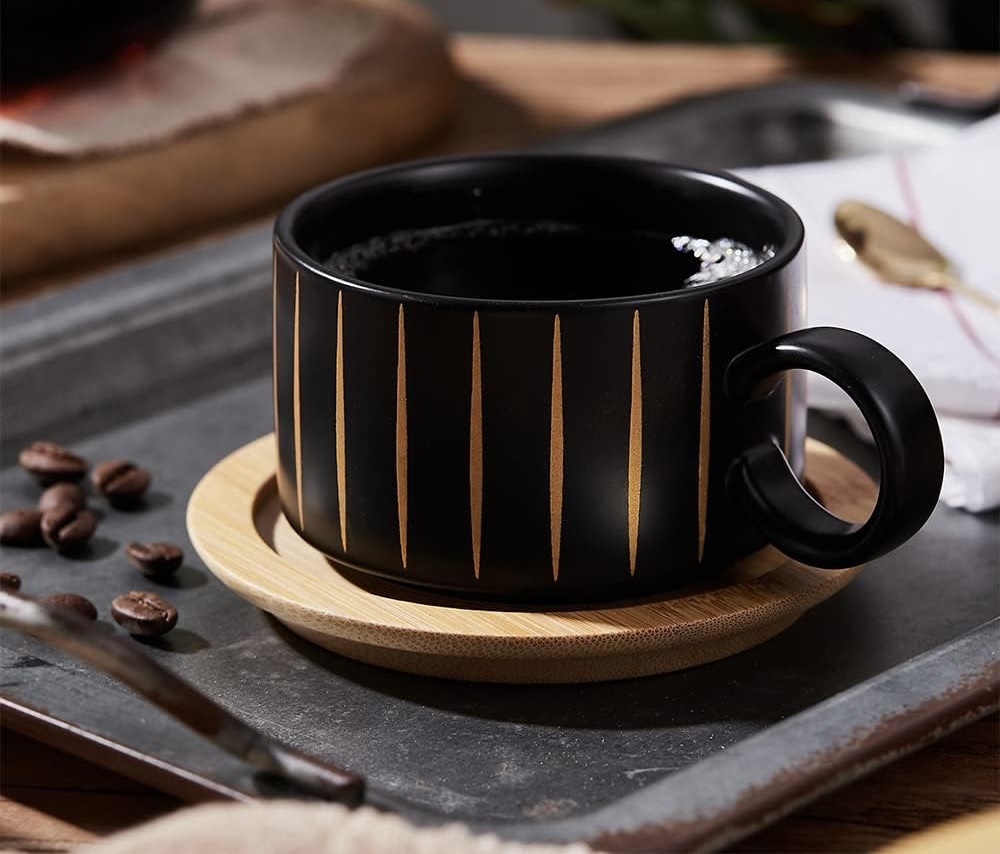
x=531 y=260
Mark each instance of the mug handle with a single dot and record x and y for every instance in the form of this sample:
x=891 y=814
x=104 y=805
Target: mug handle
x=901 y=420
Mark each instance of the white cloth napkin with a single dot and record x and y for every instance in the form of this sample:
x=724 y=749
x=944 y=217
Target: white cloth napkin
x=951 y=343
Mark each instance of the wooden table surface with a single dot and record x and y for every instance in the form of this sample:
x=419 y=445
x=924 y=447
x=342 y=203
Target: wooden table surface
x=513 y=91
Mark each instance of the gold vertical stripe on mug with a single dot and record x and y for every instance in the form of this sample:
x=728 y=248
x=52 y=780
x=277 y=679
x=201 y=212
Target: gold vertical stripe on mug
x=556 y=449
x=789 y=388
x=634 y=448
x=274 y=337
x=789 y=396
x=297 y=403
x=476 y=448
x=340 y=436
x=704 y=431
x=401 y=438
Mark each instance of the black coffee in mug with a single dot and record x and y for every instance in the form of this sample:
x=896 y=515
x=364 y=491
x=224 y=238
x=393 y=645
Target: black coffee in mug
x=561 y=378
x=536 y=259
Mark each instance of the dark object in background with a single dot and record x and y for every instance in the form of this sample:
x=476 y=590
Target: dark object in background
x=45 y=39
x=10 y=582
x=74 y=603
x=975 y=24
x=155 y=560
x=783 y=122
x=843 y=25
x=61 y=495
x=21 y=528
x=50 y=463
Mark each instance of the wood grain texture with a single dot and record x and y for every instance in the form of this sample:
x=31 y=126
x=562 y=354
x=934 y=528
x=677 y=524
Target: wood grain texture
x=556 y=450
x=51 y=801
x=476 y=447
x=297 y=402
x=954 y=777
x=236 y=525
x=339 y=425
x=402 y=441
x=704 y=429
x=635 y=447
x=394 y=89
x=514 y=91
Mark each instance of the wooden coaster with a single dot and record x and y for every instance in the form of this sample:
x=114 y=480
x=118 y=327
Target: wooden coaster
x=237 y=527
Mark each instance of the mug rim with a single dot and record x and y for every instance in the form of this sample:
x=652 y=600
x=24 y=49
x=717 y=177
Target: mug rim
x=284 y=232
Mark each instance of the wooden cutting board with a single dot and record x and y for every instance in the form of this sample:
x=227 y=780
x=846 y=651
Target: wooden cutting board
x=392 y=83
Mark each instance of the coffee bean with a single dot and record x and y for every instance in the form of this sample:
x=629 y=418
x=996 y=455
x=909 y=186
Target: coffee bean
x=155 y=560
x=142 y=613
x=62 y=494
x=10 y=582
x=67 y=529
x=52 y=463
x=123 y=482
x=21 y=528
x=70 y=602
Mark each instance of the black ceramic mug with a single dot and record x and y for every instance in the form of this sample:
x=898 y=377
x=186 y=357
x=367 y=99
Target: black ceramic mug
x=491 y=379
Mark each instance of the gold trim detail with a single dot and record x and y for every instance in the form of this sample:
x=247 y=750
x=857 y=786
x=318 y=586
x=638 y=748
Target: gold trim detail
x=789 y=388
x=340 y=434
x=789 y=394
x=634 y=448
x=274 y=336
x=401 y=438
x=704 y=432
x=296 y=405
x=476 y=448
x=556 y=449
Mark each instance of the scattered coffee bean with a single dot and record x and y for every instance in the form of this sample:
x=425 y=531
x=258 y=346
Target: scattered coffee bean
x=67 y=529
x=62 y=494
x=71 y=602
x=51 y=463
x=10 y=582
x=144 y=614
x=123 y=482
x=21 y=528
x=155 y=560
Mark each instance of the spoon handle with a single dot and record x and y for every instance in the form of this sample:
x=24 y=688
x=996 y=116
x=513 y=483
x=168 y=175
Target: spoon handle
x=121 y=659
x=956 y=285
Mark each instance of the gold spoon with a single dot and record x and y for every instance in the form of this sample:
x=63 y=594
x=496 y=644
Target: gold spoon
x=900 y=254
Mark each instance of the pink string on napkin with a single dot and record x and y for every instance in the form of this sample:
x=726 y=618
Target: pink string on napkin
x=913 y=213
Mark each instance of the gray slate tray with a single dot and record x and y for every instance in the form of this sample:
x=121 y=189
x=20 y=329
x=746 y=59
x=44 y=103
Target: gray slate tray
x=167 y=362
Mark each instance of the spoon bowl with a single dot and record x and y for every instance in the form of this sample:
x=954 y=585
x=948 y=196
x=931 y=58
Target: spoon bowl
x=898 y=253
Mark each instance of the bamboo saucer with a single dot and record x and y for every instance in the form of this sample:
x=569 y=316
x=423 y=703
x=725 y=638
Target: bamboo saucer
x=236 y=525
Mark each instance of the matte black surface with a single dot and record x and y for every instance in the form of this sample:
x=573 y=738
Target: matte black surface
x=539 y=541
x=904 y=429
x=517 y=475
x=439 y=464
